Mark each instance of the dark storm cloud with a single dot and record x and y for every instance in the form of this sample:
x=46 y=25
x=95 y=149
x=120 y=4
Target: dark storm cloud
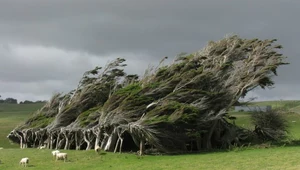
x=142 y=31
x=160 y=27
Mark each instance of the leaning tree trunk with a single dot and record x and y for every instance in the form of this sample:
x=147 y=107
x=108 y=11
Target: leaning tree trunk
x=79 y=139
x=65 y=133
x=112 y=139
x=88 y=138
x=120 y=140
x=20 y=138
x=104 y=140
x=97 y=133
x=88 y=142
x=208 y=136
x=24 y=134
x=57 y=140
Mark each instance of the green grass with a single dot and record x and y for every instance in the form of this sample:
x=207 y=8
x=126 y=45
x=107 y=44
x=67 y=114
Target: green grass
x=292 y=107
x=243 y=120
x=11 y=115
x=250 y=159
x=286 y=105
x=247 y=158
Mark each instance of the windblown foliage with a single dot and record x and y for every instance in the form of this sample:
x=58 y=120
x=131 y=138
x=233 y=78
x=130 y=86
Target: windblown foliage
x=173 y=108
x=270 y=125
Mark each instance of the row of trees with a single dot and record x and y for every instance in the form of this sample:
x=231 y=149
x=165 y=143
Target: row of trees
x=30 y=102
x=175 y=108
x=11 y=100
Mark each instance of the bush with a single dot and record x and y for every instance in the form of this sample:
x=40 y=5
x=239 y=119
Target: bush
x=270 y=126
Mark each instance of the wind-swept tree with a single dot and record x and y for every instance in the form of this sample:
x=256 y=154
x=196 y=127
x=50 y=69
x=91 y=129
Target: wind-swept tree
x=173 y=108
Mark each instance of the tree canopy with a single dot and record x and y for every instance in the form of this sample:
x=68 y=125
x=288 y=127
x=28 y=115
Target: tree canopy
x=173 y=108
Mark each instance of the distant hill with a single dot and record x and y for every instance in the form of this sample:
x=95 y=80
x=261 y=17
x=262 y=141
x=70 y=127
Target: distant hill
x=286 y=105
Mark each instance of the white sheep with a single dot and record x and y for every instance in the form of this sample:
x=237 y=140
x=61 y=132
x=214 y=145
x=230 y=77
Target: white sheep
x=54 y=153
x=24 y=161
x=97 y=149
x=63 y=156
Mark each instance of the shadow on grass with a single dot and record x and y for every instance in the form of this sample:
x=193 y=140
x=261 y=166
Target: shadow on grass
x=291 y=143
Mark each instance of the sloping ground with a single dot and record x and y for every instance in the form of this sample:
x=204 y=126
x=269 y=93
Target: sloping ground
x=12 y=115
x=285 y=105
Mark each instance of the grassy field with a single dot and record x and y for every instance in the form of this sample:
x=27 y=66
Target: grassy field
x=246 y=158
x=249 y=159
x=292 y=116
x=12 y=115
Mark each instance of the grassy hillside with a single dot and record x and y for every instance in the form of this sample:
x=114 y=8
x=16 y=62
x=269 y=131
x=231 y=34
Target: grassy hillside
x=12 y=115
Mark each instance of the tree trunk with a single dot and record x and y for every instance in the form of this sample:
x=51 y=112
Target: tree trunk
x=24 y=138
x=57 y=140
x=79 y=139
x=60 y=143
x=111 y=141
x=88 y=138
x=104 y=141
x=209 y=135
x=116 y=146
x=121 y=145
x=20 y=139
x=97 y=133
x=198 y=141
x=67 y=142
x=142 y=147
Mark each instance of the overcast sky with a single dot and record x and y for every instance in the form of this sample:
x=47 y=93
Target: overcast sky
x=46 y=45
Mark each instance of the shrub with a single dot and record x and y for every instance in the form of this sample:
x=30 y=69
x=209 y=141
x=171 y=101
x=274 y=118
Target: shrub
x=270 y=126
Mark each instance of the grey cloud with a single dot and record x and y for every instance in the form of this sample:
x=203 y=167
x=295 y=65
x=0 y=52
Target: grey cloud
x=158 y=27
x=33 y=72
x=38 y=63
x=92 y=31
x=279 y=92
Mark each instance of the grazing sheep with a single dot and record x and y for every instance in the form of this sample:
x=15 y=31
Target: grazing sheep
x=97 y=149
x=54 y=153
x=24 y=162
x=63 y=156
